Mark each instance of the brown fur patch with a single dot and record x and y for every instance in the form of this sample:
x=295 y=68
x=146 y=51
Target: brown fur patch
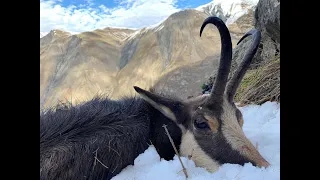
x=213 y=123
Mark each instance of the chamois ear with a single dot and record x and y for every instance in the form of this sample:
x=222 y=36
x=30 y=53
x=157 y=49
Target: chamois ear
x=173 y=109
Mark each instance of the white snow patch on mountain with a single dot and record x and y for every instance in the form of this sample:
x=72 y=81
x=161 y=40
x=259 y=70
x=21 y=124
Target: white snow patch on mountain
x=229 y=10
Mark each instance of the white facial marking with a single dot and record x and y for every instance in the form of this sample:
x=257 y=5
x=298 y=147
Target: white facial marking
x=231 y=128
x=190 y=148
x=235 y=136
x=163 y=109
x=167 y=112
x=197 y=100
x=183 y=129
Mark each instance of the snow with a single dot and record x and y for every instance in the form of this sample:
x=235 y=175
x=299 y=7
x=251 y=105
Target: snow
x=156 y=27
x=120 y=27
x=262 y=126
x=233 y=9
x=144 y=30
x=73 y=33
x=159 y=28
x=42 y=34
x=131 y=36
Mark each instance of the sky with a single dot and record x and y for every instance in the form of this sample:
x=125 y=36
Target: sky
x=87 y=15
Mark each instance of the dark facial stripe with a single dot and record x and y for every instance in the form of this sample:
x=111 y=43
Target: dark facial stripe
x=216 y=146
x=219 y=150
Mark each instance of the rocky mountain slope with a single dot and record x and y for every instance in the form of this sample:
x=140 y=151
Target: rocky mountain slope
x=169 y=56
x=237 y=14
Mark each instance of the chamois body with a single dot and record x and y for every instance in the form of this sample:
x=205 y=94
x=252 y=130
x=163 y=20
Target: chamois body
x=99 y=138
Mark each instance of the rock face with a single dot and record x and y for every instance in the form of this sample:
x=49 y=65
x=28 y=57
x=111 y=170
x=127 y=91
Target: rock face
x=237 y=14
x=267 y=19
x=228 y=10
x=78 y=65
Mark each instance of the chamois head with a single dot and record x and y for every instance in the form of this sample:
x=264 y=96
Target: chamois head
x=212 y=124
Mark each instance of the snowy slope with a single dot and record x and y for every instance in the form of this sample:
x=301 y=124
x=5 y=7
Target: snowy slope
x=228 y=10
x=42 y=34
x=262 y=127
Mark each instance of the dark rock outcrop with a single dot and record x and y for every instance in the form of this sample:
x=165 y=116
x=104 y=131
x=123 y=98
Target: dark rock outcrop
x=267 y=20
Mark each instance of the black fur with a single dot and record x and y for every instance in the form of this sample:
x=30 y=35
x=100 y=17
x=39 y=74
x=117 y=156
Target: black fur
x=221 y=151
x=115 y=132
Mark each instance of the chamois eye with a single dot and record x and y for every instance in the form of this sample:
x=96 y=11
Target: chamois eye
x=201 y=125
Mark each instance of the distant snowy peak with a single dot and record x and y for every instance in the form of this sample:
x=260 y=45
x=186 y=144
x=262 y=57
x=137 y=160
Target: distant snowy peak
x=117 y=31
x=154 y=28
x=52 y=32
x=228 y=10
x=42 y=34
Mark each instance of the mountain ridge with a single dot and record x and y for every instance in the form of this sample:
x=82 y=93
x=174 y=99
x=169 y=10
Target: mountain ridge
x=75 y=67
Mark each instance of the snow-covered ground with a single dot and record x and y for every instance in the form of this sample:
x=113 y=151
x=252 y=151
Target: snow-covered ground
x=262 y=127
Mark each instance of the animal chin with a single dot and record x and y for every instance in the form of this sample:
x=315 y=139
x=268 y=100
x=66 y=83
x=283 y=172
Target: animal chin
x=190 y=148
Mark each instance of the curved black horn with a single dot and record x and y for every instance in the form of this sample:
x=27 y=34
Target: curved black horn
x=243 y=67
x=225 y=57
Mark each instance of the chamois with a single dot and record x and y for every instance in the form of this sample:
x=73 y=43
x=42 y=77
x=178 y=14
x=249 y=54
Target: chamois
x=98 y=138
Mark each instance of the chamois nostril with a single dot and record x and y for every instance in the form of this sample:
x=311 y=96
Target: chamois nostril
x=255 y=157
x=263 y=163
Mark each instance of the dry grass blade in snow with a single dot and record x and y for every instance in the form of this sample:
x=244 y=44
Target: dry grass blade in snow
x=175 y=149
x=261 y=85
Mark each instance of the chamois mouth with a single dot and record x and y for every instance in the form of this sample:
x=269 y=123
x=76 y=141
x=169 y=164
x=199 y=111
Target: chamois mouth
x=262 y=163
x=243 y=160
x=254 y=157
x=237 y=151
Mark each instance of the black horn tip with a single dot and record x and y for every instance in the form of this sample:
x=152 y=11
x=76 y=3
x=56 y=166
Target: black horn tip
x=212 y=19
x=254 y=32
x=139 y=90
